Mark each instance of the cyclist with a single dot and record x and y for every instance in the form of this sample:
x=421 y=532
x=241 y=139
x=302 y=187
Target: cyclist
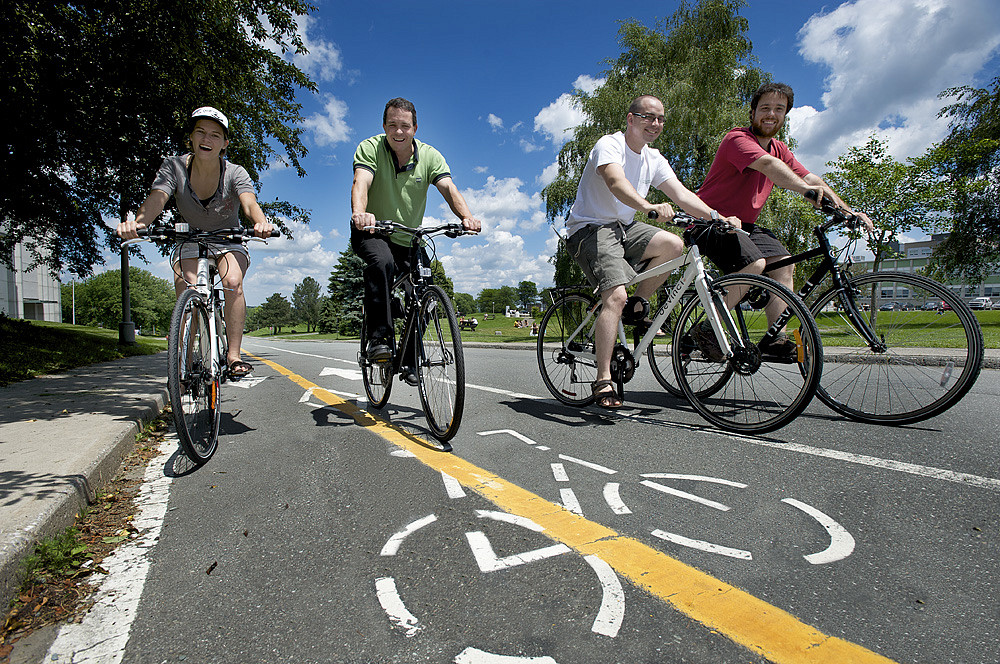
x=602 y=234
x=392 y=172
x=747 y=165
x=208 y=191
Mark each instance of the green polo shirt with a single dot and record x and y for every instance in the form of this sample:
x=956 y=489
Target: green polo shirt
x=399 y=193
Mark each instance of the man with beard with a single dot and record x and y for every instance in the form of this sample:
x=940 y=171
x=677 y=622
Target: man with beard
x=749 y=163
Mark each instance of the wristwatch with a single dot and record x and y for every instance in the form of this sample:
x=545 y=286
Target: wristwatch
x=715 y=215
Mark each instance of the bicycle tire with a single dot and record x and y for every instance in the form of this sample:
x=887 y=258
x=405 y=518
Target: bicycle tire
x=905 y=382
x=193 y=384
x=376 y=376
x=440 y=363
x=762 y=393
x=567 y=375
x=661 y=363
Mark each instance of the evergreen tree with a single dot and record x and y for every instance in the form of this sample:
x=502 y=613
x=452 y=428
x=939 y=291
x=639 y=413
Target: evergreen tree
x=343 y=313
x=306 y=303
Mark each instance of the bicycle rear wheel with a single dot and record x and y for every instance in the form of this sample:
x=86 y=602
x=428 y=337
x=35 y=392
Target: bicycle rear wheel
x=925 y=360
x=440 y=364
x=377 y=376
x=193 y=384
x=764 y=392
x=566 y=350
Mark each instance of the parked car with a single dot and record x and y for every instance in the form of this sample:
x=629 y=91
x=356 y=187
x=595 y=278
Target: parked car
x=945 y=306
x=933 y=305
x=980 y=303
x=890 y=306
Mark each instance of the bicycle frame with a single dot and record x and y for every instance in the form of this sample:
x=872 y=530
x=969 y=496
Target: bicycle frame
x=829 y=266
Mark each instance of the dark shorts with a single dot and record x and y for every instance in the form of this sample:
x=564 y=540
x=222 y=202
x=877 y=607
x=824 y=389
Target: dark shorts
x=731 y=252
x=607 y=254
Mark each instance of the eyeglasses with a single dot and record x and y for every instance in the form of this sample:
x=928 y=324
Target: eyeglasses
x=649 y=117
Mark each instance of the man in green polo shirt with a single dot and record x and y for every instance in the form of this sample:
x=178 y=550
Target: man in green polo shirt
x=392 y=172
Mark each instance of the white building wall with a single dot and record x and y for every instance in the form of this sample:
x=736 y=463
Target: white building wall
x=34 y=294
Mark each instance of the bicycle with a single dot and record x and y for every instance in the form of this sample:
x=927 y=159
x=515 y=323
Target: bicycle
x=745 y=391
x=887 y=366
x=429 y=323
x=196 y=342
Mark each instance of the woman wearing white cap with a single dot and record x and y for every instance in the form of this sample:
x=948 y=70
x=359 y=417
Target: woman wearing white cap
x=208 y=191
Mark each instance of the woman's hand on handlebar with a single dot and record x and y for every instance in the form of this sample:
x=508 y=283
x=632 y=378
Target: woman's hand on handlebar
x=127 y=230
x=263 y=229
x=361 y=220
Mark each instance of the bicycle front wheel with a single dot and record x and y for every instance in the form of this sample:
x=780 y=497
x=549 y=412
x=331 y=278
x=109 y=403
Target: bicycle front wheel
x=923 y=361
x=193 y=384
x=565 y=349
x=441 y=364
x=377 y=376
x=764 y=392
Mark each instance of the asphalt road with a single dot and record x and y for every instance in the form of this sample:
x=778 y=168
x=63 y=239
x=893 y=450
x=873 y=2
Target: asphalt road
x=321 y=534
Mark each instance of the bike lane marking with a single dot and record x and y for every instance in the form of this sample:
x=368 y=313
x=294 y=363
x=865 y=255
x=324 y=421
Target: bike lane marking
x=734 y=613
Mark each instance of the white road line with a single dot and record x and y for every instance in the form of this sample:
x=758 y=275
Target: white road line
x=514 y=519
x=392 y=545
x=101 y=636
x=841 y=541
x=452 y=486
x=685 y=495
x=559 y=472
x=702 y=545
x=569 y=501
x=348 y=374
x=587 y=464
x=392 y=603
x=295 y=352
x=612 y=612
x=476 y=656
x=696 y=478
x=519 y=436
x=506 y=393
x=613 y=498
x=488 y=560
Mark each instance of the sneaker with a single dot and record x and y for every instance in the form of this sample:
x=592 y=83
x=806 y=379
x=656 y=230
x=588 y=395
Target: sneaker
x=705 y=338
x=378 y=351
x=409 y=376
x=780 y=348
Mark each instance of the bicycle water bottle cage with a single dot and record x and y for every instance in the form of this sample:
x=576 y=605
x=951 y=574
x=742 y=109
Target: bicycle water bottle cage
x=632 y=317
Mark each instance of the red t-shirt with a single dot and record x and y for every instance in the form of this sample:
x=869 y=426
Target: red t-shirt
x=735 y=189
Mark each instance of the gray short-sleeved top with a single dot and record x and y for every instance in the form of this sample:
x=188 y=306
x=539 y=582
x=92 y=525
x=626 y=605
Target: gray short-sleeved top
x=221 y=211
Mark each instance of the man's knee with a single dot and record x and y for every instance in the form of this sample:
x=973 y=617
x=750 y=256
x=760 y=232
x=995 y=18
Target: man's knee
x=664 y=246
x=614 y=299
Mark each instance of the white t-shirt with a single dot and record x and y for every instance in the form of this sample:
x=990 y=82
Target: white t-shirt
x=595 y=204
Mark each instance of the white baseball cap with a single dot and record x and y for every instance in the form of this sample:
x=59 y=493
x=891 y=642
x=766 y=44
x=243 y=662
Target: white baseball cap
x=212 y=114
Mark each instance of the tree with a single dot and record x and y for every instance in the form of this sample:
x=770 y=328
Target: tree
x=99 y=300
x=465 y=303
x=343 y=313
x=442 y=279
x=527 y=295
x=97 y=91
x=698 y=62
x=306 y=302
x=276 y=312
x=885 y=189
x=968 y=162
x=497 y=299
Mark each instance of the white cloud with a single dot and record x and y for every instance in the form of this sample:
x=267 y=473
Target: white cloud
x=329 y=127
x=501 y=204
x=557 y=120
x=481 y=169
x=282 y=263
x=495 y=122
x=528 y=147
x=548 y=175
x=887 y=63
x=323 y=60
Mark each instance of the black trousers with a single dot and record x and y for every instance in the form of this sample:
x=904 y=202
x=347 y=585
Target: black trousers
x=384 y=261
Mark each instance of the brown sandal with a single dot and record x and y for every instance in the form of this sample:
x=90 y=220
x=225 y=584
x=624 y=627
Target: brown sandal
x=610 y=399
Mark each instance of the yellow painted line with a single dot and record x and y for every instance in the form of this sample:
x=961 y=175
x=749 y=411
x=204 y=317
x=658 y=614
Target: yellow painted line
x=751 y=622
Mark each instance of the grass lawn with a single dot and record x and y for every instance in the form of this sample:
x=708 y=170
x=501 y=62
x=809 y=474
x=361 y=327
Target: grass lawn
x=32 y=348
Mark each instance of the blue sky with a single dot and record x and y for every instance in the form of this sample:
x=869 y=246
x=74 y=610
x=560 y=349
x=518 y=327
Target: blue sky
x=490 y=81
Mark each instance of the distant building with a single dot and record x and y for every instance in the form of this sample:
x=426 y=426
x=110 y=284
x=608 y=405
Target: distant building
x=33 y=294
x=914 y=257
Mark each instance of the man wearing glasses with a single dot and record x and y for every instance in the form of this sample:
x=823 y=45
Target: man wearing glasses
x=604 y=237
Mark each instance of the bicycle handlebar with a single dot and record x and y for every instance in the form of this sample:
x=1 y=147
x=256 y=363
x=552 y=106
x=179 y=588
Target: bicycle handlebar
x=451 y=230
x=839 y=214
x=172 y=233
x=684 y=220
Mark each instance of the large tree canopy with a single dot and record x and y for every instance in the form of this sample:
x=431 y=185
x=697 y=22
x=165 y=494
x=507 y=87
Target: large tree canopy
x=96 y=92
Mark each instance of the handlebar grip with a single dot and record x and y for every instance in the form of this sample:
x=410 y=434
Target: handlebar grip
x=653 y=214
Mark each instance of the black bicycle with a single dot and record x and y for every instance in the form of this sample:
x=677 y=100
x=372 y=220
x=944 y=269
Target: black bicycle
x=883 y=363
x=426 y=324
x=196 y=343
